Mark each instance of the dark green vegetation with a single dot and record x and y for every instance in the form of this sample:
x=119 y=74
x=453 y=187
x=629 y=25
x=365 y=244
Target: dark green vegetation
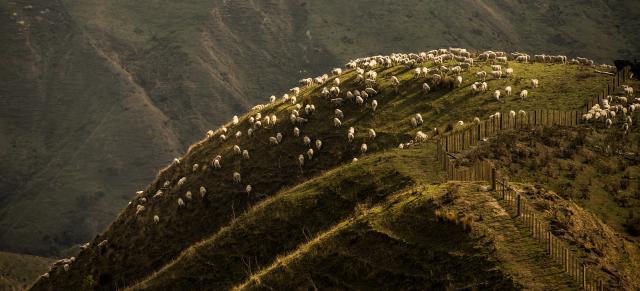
x=17 y=272
x=96 y=95
x=239 y=235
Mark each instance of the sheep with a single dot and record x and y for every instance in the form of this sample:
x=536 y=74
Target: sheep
x=156 y=219
x=359 y=100
x=279 y=137
x=507 y=90
x=336 y=81
x=394 y=81
x=458 y=81
x=338 y=113
x=310 y=153
x=236 y=177
x=250 y=132
x=370 y=91
x=421 y=136
x=158 y=194
x=274 y=119
x=306 y=140
x=363 y=148
x=216 y=164
x=496 y=74
x=509 y=72
x=188 y=195
x=350 y=95
x=419 y=119
x=608 y=122
x=414 y=122
x=460 y=123
x=245 y=154
x=296 y=132
x=238 y=134
x=534 y=83
x=272 y=99
x=496 y=95
x=318 y=144
x=524 y=94
x=209 y=135
x=336 y=72
x=103 y=243
x=139 y=209
x=273 y=140
x=180 y=202
x=476 y=120
x=501 y=59
x=235 y=120
x=301 y=160
x=481 y=75
x=195 y=168
x=166 y=184
x=484 y=87
x=496 y=68
x=522 y=113
x=426 y=88
x=336 y=122
x=372 y=133
x=374 y=105
x=203 y=191
x=354 y=160
x=337 y=101
x=417 y=73
x=236 y=150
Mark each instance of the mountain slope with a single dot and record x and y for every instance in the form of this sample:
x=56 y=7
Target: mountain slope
x=126 y=255
x=96 y=95
x=17 y=271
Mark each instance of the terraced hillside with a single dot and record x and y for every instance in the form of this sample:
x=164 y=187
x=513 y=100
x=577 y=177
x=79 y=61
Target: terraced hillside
x=97 y=95
x=198 y=225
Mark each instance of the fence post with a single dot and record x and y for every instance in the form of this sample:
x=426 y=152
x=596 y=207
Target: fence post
x=518 y=205
x=493 y=178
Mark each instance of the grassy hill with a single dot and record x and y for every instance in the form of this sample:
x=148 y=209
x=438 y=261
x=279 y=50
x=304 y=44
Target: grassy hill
x=294 y=211
x=98 y=95
x=17 y=272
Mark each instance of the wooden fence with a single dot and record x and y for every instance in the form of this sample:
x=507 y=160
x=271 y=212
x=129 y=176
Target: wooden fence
x=618 y=79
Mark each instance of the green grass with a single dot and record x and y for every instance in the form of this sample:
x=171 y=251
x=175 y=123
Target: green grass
x=272 y=169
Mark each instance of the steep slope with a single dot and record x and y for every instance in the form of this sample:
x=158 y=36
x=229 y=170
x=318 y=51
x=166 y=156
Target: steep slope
x=127 y=256
x=17 y=271
x=98 y=94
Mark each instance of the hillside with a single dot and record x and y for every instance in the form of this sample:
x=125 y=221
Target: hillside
x=97 y=95
x=244 y=233
x=17 y=272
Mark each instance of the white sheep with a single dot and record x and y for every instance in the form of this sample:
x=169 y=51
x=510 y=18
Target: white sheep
x=374 y=105
x=296 y=132
x=279 y=137
x=66 y=267
x=158 y=194
x=272 y=99
x=534 y=83
x=460 y=123
x=235 y=120
x=274 y=119
x=209 y=135
x=476 y=120
x=336 y=72
x=419 y=119
x=188 y=195
x=273 y=140
x=359 y=100
x=458 y=82
x=139 y=208
x=238 y=134
x=195 y=167
x=250 y=132
x=354 y=160
x=306 y=140
x=180 y=202
x=236 y=177
x=339 y=114
x=156 y=219
x=496 y=95
x=426 y=88
x=372 y=133
x=414 y=122
x=336 y=122
x=203 y=191
x=310 y=153
x=609 y=122
x=236 y=150
x=301 y=160
x=216 y=164
x=484 y=87
x=507 y=90
x=421 y=136
x=318 y=144
x=245 y=154
x=509 y=72
x=524 y=94
x=363 y=148
x=248 y=189
x=496 y=74
x=182 y=180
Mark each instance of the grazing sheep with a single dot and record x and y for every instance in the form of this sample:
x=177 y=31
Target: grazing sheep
x=236 y=177
x=272 y=99
x=426 y=88
x=460 y=123
x=188 y=195
x=142 y=200
x=236 y=150
x=195 y=168
x=209 y=135
x=524 y=94
x=338 y=113
x=421 y=136
x=354 y=160
x=250 y=132
x=216 y=163
x=336 y=81
x=476 y=120
x=374 y=105
x=363 y=148
x=370 y=91
x=419 y=119
x=350 y=95
x=534 y=83
x=318 y=144
x=336 y=72
x=609 y=122
x=235 y=120
x=507 y=90
x=274 y=119
x=496 y=74
x=158 y=194
x=248 y=189
x=359 y=100
x=296 y=132
x=337 y=101
x=182 y=180
x=306 y=140
x=394 y=81
x=203 y=191
x=509 y=72
x=245 y=154
x=139 y=208
x=481 y=75
x=414 y=122
x=372 y=133
x=279 y=137
x=301 y=160
x=496 y=95
x=273 y=140
x=180 y=202
x=522 y=113
x=166 y=184
x=512 y=114
x=336 y=122
x=156 y=219
x=238 y=134
x=458 y=81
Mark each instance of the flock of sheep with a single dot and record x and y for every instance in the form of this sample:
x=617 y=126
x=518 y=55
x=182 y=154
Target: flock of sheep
x=364 y=95
x=615 y=108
